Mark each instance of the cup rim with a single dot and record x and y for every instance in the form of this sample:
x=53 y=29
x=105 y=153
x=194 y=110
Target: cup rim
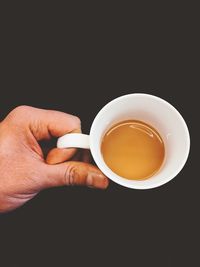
x=138 y=184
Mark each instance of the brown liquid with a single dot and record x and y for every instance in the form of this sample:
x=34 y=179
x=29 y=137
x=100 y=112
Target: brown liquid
x=133 y=150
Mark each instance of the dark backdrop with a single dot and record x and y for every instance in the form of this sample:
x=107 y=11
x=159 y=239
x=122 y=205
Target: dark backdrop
x=76 y=59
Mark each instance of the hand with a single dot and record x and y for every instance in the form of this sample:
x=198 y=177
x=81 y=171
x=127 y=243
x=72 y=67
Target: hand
x=23 y=169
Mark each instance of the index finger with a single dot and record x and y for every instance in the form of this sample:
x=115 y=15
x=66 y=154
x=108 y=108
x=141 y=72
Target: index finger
x=47 y=123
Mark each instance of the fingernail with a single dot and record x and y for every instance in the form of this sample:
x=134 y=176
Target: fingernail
x=105 y=182
x=97 y=180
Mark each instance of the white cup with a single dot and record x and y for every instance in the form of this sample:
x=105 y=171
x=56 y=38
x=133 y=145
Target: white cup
x=147 y=108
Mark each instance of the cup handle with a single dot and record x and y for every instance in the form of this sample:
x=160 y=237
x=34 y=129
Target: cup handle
x=77 y=140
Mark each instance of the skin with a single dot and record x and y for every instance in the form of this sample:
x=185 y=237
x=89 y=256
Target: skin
x=24 y=171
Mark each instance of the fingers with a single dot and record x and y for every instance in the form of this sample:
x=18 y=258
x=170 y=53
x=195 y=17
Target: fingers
x=54 y=123
x=75 y=173
x=45 y=123
x=58 y=155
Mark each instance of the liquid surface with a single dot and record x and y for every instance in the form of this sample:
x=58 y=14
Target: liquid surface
x=133 y=150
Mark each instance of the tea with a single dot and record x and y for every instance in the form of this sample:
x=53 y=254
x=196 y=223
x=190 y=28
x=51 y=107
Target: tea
x=133 y=150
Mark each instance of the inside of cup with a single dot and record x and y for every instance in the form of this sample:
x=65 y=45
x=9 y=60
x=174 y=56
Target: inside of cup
x=155 y=112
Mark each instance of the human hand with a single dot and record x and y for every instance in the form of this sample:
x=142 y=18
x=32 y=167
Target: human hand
x=23 y=169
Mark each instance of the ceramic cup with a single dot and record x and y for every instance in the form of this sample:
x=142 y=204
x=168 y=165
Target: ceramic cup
x=147 y=108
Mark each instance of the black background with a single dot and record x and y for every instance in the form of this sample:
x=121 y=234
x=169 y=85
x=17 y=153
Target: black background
x=76 y=59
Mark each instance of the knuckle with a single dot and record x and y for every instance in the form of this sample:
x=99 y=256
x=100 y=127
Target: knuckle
x=70 y=174
x=21 y=109
x=73 y=175
x=19 y=114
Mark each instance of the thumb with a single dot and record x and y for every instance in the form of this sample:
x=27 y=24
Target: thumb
x=75 y=173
